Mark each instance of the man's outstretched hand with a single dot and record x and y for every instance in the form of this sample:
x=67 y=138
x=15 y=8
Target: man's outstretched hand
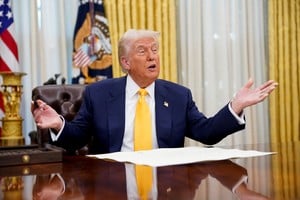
x=45 y=116
x=247 y=96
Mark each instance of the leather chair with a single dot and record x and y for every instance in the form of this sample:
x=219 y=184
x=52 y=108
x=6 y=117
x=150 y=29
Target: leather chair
x=65 y=99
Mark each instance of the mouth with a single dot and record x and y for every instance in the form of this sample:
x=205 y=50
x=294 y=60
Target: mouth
x=151 y=67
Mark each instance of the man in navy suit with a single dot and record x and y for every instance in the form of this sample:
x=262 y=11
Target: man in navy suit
x=108 y=110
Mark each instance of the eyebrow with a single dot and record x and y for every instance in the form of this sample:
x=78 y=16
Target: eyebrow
x=142 y=45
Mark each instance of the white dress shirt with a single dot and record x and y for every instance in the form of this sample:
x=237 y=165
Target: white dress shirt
x=130 y=106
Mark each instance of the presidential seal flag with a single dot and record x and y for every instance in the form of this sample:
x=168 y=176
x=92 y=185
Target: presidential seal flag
x=92 y=57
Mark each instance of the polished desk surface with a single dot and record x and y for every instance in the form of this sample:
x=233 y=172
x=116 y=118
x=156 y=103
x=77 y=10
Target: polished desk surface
x=274 y=176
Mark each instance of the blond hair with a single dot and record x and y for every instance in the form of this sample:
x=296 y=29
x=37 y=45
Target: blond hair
x=130 y=36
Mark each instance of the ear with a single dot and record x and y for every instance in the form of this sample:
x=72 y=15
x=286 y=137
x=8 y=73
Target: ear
x=125 y=63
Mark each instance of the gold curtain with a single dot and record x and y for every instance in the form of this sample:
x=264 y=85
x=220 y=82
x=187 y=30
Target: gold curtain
x=158 y=15
x=285 y=168
x=284 y=66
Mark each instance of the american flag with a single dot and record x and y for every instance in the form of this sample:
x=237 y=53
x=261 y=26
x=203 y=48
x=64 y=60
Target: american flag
x=82 y=57
x=9 y=59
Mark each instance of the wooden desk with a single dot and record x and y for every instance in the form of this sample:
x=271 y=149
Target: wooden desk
x=275 y=176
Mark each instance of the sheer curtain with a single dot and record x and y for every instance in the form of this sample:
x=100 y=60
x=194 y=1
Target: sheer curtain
x=44 y=34
x=221 y=45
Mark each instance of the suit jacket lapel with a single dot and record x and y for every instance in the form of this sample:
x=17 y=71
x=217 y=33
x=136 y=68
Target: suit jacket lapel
x=116 y=114
x=163 y=110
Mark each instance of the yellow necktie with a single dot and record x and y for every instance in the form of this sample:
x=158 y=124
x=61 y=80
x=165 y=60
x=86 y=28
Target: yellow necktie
x=143 y=141
x=142 y=127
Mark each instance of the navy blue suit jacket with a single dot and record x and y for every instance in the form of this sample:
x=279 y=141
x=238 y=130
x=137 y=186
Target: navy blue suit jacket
x=102 y=118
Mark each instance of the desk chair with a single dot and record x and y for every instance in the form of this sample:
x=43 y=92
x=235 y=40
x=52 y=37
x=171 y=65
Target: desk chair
x=65 y=99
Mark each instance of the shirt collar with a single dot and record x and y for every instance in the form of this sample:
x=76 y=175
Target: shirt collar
x=132 y=88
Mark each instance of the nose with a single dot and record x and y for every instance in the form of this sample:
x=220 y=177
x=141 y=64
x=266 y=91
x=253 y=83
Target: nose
x=150 y=55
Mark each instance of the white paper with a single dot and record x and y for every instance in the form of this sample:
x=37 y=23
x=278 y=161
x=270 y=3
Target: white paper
x=176 y=156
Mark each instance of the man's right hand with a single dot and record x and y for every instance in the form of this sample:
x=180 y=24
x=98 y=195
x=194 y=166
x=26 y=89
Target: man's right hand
x=45 y=116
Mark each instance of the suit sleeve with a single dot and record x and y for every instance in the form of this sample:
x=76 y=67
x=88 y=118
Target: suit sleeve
x=75 y=134
x=210 y=130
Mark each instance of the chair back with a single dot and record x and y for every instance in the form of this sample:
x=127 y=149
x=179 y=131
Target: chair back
x=64 y=99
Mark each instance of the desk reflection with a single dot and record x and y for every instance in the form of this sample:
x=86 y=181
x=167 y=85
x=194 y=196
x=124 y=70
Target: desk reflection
x=53 y=187
x=276 y=176
x=111 y=180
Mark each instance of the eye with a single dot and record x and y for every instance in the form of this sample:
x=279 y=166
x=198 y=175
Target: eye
x=140 y=51
x=154 y=49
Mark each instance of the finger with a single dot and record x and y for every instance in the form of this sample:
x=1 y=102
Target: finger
x=35 y=110
x=269 y=88
x=249 y=83
x=263 y=96
x=38 y=118
x=266 y=84
x=37 y=113
x=40 y=109
x=40 y=103
x=32 y=107
x=40 y=125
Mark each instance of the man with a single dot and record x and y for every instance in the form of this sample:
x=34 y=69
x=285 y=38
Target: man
x=107 y=113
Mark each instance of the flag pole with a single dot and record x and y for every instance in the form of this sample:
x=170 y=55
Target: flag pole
x=92 y=15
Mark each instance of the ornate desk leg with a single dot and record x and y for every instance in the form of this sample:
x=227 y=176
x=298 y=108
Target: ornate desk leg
x=11 y=134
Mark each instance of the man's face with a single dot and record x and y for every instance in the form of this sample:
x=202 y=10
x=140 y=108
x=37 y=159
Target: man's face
x=142 y=62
